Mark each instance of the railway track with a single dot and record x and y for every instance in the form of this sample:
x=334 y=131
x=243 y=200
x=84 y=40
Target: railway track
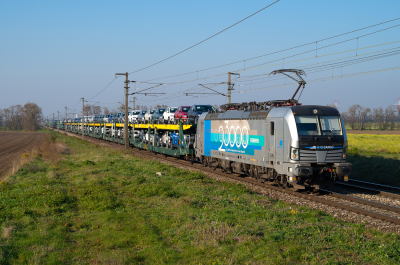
x=339 y=204
x=373 y=188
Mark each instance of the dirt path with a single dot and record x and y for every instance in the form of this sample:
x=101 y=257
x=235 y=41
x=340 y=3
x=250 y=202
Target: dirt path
x=13 y=145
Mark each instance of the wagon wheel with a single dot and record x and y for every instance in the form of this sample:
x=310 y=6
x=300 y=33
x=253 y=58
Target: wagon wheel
x=279 y=181
x=257 y=175
x=285 y=184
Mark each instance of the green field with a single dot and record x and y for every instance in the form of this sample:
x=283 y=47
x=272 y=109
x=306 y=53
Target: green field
x=85 y=204
x=375 y=158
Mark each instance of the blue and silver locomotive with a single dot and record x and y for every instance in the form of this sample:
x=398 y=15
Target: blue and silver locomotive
x=290 y=144
x=282 y=141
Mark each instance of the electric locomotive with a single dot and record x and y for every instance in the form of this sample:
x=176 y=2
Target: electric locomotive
x=282 y=141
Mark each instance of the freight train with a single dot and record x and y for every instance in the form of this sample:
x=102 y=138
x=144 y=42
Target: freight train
x=292 y=145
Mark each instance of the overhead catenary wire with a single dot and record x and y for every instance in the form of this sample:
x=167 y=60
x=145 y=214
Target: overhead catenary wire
x=287 y=49
x=104 y=88
x=278 y=60
x=249 y=68
x=205 y=39
x=360 y=57
x=252 y=67
x=308 y=81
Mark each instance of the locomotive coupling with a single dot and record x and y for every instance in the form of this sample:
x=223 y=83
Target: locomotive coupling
x=303 y=170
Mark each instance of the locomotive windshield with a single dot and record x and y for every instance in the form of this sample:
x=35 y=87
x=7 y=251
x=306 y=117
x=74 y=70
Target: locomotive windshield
x=318 y=125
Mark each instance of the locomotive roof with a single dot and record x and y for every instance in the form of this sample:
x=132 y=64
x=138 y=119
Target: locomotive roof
x=314 y=109
x=275 y=111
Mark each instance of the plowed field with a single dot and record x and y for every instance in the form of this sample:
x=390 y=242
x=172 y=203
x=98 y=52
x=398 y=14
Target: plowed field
x=13 y=145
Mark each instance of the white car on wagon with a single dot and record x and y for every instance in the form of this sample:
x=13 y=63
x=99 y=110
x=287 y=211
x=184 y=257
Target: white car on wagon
x=169 y=114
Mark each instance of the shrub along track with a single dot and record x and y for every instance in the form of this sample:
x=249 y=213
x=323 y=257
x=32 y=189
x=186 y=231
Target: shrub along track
x=339 y=206
x=13 y=145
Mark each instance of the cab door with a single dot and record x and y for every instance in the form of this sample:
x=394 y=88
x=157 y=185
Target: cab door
x=271 y=140
x=279 y=141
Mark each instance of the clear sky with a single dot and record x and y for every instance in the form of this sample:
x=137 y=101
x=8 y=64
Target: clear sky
x=55 y=52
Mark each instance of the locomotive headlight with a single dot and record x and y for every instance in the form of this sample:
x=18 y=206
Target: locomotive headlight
x=294 y=153
x=344 y=156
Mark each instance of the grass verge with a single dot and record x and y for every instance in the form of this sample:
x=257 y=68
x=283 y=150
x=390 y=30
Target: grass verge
x=375 y=158
x=94 y=205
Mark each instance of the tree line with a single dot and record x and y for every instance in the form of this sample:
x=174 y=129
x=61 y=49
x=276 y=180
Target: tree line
x=360 y=118
x=18 y=117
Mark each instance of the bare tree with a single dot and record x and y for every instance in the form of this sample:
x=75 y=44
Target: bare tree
x=362 y=116
x=390 y=117
x=106 y=111
x=96 y=110
x=352 y=116
x=160 y=106
x=143 y=107
x=19 y=117
x=378 y=117
x=121 y=108
x=398 y=116
x=1 y=118
x=31 y=116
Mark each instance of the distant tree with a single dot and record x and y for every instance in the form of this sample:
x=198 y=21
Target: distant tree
x=106 y=111
x=362 y=116
x=1 y=117
x=352 y=116
x=378 y=117
x=398 y=116
x=121 y=108
x=96 y=110
x=143 y=107
x=31 y=117
x=390 y=117
x=87 y=110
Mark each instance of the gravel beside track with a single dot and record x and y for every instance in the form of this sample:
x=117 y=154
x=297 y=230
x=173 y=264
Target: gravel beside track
x=271 y=191
x=13 y=145
x=368 y=196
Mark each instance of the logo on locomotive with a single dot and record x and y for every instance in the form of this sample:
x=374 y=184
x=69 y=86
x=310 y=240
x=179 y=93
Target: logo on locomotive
x=232 y=136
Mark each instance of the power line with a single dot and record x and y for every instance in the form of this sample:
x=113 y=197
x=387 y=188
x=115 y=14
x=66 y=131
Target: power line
x=295 y=47
x=305 y=67
x=280 y=59
x=308 y=81
x=205 y=39
x=104 y=88
x=387 y=52
x=312 y=50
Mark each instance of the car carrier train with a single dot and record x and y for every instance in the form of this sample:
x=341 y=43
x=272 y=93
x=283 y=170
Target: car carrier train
x=293 y=145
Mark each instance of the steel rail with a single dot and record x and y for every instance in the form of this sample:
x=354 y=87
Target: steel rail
x=372 y=187
x=365 y=202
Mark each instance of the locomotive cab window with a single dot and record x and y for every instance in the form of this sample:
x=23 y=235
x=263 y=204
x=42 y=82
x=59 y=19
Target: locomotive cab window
x=318 y=125
x=308 y=125
x=272 y=128
x=330 y=125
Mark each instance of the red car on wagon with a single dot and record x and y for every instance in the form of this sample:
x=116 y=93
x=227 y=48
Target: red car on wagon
x=181 y=113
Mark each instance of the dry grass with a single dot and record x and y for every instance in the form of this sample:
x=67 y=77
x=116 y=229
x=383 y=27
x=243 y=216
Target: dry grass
x=6 y=233
x=50 y=150
x=216 y=233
